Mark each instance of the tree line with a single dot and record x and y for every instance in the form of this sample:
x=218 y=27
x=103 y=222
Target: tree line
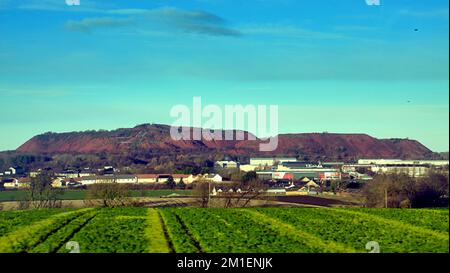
x=403 y=191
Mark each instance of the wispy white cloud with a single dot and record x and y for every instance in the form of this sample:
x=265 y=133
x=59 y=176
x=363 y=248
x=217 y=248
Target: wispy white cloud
x=163 y=19
x=354 y=28
x=88 y=23
x=290 y=31
x=425 y=13
x=201 y=22
x=126 y=11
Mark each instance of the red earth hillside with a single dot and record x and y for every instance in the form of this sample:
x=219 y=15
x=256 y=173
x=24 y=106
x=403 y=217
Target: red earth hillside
x=156 y=138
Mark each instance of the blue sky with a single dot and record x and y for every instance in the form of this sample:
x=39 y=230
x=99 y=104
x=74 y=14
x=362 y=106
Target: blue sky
x=330 y=65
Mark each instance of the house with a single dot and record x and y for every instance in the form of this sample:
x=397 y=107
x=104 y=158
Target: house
x=192 y=178
x=35 y=173
x=24 y=182
x=226 y=164
x=309 y=185
x=67 y=174
x=17 y=170
x=162 y=178
x=181 y=177
x=212 y=178
x=58 y=182
x=146 y=178
x=10 y=183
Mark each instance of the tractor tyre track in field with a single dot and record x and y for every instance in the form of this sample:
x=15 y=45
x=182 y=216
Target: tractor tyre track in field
x=186 y=230
x=155 y=233
x=55 y=230
x=166 y=233
x=20 y=237
x=75 y=231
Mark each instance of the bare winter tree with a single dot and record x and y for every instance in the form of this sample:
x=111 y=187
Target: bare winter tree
x=41 y=194
x=108 y=195
x=202 y=193
x=249 y=190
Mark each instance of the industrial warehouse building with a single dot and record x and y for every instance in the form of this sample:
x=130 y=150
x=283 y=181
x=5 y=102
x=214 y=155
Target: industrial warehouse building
x=399 y=162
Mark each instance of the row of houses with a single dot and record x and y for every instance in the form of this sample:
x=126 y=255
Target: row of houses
x=14 y=183
x=76 y=173
x=149 y=178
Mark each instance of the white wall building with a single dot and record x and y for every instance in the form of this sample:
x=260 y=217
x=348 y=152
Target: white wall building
x=226 y=164
x=11 y=183
x=248 y=168
x=413 y=171
x=402 y=162
x=125 y=179
x=270 y=161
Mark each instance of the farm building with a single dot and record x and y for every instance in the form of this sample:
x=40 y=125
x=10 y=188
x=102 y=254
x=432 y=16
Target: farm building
x=270 y=161
x=24 y=182
x=161 y=178
x=212 y=178
x=89 y=180
x=147 y=178
x=125 y=178
x=226 y=164
x=10 y=183
x=186 y=178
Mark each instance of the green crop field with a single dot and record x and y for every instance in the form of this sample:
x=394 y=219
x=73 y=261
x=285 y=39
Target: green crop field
x=194 y=230
x=18 y=195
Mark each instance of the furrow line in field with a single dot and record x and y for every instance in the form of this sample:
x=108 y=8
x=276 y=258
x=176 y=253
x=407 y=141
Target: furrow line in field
x=311 y=240
x=166 y=233
x=30 y=236
x=188 y=232
x=394 y=223
x=74 y=231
